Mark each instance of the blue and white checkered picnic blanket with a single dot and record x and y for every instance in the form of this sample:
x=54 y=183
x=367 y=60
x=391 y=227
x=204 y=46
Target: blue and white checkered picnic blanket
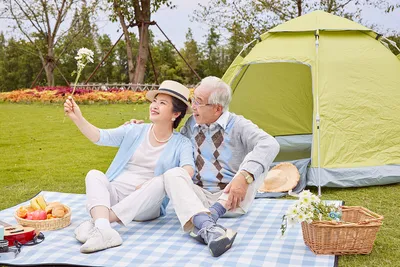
x=161 y=242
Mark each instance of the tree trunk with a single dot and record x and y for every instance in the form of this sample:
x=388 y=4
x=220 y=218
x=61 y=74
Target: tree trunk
x=143 y=53
x=299 y=8
x=129 y=53
x=49 y=66
x=330 y=5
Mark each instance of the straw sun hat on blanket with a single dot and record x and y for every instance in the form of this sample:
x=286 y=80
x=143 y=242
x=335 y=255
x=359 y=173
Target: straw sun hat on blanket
x=281 y=178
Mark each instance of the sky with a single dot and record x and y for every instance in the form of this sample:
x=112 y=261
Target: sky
x=176 y=22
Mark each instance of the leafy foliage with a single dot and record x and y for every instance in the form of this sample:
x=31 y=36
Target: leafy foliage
x=40 y=22
x=262 y=15
x=231 y=24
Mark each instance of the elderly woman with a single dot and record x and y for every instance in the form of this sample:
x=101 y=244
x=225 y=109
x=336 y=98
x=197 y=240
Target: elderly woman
x=133 y=186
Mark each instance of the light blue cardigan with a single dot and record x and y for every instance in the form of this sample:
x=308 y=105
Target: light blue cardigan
x=177 y=153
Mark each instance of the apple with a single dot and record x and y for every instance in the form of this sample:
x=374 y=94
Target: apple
x=35 y=215
x=38 y=215
x=42 y=215
x=29 y=216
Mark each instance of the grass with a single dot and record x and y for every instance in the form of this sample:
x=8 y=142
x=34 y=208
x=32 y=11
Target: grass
x=40 y=152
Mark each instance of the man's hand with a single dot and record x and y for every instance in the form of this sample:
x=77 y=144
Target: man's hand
x=134 y=121
x=237 y=190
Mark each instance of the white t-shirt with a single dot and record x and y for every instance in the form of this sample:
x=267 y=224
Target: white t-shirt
x=140 y=168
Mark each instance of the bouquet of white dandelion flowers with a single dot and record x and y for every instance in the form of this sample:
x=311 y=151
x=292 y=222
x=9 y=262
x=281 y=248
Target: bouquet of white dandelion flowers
x=83 y=57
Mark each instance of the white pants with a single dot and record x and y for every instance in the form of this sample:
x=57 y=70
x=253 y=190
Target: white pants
x=144 y=204
x=189 y=199
x=140 y=205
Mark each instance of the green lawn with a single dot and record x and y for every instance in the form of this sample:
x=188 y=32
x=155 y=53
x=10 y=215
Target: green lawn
x=41 y=152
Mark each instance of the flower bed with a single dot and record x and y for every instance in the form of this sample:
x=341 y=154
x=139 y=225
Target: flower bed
x=86 y=96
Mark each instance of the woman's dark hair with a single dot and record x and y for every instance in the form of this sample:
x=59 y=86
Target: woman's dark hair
x=178 y=106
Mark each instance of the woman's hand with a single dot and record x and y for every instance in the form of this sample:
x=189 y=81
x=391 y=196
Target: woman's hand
x=72 y=109
x=75 y=114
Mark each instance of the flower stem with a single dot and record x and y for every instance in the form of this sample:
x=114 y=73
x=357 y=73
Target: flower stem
x=76 y=81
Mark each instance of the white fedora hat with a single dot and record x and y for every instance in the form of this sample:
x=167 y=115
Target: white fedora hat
x=281 y=178
x=174 y=89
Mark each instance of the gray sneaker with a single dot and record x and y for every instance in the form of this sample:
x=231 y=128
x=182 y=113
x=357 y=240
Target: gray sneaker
x=100 y=239
x=218 y=238
x=82 y=231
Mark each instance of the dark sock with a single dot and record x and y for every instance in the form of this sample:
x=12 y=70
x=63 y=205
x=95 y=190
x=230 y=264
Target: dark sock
x=217 y=210
x=202 y=220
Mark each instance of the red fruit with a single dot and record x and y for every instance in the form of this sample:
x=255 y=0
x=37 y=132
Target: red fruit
x=36 y=215
x=29 y=216
x=42 y=215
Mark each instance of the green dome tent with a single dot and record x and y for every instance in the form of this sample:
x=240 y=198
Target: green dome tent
x=332 y=80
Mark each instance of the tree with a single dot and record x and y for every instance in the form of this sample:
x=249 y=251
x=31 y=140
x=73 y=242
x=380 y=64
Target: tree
x=165 y=61
x=19 y=67
x=395 y=38
x=82 y=33
x=236 y=41
x=192 y=56
x=2 y=61
x=41 y=21
x=261 y=15
x=136 y=13
x=121 y=69
x=105 y=72
x=222 y=14
x=215 y=59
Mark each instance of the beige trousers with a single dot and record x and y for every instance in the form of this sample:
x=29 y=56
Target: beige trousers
x=189 y=199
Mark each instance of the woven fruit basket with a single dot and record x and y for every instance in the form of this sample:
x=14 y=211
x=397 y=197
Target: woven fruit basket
x=354 y=235
x=49 y=224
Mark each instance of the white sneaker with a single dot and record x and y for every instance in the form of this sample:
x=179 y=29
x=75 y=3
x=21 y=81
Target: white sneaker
x=82 y=231
x=100 y=239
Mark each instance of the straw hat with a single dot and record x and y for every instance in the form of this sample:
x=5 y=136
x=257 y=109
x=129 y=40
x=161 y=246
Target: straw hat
x=174 y=89
x=281 y=178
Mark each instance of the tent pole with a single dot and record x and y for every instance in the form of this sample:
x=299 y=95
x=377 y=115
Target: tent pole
x=317 y=118
x=391 y=42
x=246 y=46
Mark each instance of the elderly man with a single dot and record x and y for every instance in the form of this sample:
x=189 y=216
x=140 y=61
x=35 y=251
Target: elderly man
x=231 y=156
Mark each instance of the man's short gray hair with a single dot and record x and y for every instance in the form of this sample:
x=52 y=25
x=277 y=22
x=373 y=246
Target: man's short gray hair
x=220 y=91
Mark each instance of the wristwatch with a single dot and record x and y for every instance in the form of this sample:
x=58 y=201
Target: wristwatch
x=247 y=176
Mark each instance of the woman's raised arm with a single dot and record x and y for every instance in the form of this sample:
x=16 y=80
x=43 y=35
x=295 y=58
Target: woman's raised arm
x=74 y=113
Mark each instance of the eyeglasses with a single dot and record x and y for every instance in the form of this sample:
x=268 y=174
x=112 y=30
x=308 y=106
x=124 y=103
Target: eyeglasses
x=197 y=104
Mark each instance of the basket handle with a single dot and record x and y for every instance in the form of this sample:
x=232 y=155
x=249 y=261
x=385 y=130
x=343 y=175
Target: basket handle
x=378 y=218
x=373 y=214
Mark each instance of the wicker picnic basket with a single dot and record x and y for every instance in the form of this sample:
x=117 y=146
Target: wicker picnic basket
x=44 y=225
x=355 y=235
